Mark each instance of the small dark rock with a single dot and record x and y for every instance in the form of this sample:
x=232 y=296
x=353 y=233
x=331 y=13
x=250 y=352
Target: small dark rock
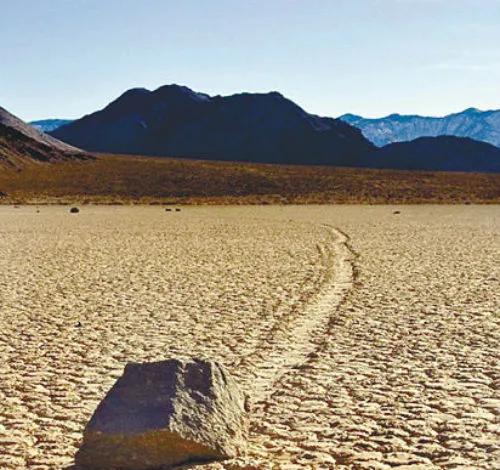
x=177 y=209
x=397 y=212
x=74 y=210
x=168 y=209
x=78 y=325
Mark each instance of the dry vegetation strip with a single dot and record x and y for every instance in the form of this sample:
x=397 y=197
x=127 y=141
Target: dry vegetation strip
x=127 y=179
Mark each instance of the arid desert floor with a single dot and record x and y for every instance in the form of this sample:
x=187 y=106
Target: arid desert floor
x=366 y=338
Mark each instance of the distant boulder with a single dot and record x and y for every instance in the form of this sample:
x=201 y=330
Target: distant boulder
x=74 y=210
x=163 y=414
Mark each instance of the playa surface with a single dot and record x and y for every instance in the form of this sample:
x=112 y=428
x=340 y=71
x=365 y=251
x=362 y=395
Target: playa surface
x=365 y=338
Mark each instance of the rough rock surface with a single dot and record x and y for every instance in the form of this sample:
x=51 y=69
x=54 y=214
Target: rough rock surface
x=166 y=413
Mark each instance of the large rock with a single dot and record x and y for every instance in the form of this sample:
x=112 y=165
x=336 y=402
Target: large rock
x=166 y=413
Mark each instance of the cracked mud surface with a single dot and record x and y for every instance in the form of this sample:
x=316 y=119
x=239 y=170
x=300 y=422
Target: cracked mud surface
x=366 y=339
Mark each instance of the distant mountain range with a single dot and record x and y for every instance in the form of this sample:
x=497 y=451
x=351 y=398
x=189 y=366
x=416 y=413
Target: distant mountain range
x=473 y=123
x=22 y=144
x=442 y=153
x=478 y=125
x=49 y=125
x=178 y=122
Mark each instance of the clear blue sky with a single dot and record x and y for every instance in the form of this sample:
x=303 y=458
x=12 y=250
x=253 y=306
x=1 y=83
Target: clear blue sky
x=66 y=58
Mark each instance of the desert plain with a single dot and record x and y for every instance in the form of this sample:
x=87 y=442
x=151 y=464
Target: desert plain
x=367 y=337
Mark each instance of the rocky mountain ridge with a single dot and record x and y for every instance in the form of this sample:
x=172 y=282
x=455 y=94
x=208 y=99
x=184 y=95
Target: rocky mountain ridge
x=176 y=121
x=49 y=125
x=473 y=123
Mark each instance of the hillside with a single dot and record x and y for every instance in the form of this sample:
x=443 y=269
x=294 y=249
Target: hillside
x=21 y=144
x=131 y=179
x=444 y=153
x=473 y=123
x=178 y=122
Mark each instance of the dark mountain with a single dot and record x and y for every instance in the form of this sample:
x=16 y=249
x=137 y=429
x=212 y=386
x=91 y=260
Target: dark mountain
x=20 y=143
x=473 y=123
x=178 y=122
x=444 y=153
x=49 y=125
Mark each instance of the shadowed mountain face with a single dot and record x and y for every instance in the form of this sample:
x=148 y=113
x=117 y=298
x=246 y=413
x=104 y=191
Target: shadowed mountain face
x=176 y=121
x=20 y=143
x=444 y=153
x=49 y=125
x=478 y=125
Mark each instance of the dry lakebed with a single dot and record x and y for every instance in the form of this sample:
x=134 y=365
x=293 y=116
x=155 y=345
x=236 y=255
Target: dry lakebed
x=367 y=337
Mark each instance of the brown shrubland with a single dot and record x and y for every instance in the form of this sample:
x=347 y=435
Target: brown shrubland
x=115 y=179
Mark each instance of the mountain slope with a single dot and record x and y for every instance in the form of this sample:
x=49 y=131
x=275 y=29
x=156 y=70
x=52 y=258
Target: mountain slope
x=444 y=153
x=20 y=144
x=475 y=124
x=178 y=122
x=49 y=125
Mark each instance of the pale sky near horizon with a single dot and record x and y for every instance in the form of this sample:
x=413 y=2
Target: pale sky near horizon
x=67 y=58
